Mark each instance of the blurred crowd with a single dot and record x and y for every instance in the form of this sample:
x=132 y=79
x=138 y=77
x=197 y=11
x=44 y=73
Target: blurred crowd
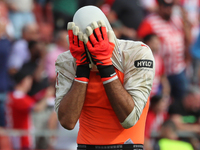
x=32 y=35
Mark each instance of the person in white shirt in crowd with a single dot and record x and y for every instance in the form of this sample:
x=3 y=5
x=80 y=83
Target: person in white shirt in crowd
x=174 y=37
x=20 y=53
x=20 y=14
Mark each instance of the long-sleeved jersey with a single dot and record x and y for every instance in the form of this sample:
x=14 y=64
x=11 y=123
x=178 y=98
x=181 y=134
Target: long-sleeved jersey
x=99 y=125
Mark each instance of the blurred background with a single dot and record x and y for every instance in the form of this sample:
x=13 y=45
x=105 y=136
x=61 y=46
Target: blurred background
x=32 y=35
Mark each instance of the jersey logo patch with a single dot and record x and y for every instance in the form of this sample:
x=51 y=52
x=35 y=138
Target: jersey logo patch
x=143 y=63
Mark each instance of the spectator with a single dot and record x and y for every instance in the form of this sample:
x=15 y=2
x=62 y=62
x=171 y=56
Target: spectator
x=191 y=10
x=44 y=17
x=6 y=33
x=37 y=63
x=20 y=53
x=169 y=138
x=129 y=13
x=121 y=31
x=188 y=28
x=155 y=118
x=43 y=11
x=4 y=87
x=187 y=114
x=160 y=78
x=61 y=46
x=19 y=108
x=169 y=29
x=20 y=14
x=5 y=19
x=38 y=53
x=5 y=47
x=39 y=89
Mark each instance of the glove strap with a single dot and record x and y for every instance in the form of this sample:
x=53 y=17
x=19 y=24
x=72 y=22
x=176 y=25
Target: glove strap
x=82 y=73
x=107 y=73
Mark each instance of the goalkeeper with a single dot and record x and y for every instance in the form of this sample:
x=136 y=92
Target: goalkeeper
x=104 y=83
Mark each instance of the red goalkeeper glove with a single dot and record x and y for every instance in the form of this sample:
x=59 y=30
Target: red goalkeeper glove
x=77 y=49
x=101 y=47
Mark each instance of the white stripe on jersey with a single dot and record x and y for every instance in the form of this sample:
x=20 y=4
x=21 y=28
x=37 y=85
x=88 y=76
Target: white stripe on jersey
x=172 y=39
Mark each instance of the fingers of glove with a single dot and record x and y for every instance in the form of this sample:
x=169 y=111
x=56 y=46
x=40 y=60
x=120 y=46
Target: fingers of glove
x=96 y=30
x=70 y=26
x=80 y=37
x=90 y=34
x=67 y=38
x=102 y=26
x=87 y=42
x=85 y=38
x=111 y=37
x=75 y=34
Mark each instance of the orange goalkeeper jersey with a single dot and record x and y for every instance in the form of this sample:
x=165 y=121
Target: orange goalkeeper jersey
x=99 y=124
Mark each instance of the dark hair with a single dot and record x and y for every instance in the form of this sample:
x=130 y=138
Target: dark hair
x=148 y=37
x=31 y=44
x=22 y=73
x=169 y=124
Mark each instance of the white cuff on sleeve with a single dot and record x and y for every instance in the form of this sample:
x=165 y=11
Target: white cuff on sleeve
x=130 y=120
